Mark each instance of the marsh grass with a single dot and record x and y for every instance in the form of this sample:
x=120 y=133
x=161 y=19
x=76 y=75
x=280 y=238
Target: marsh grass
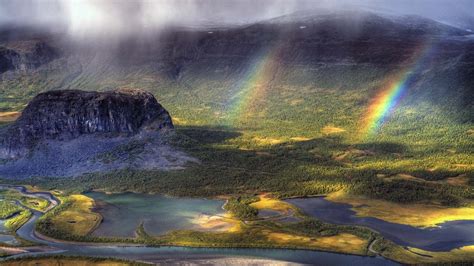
x=8 y=209
x=73 y=217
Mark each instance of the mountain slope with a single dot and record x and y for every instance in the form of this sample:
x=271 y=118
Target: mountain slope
x=286 y=105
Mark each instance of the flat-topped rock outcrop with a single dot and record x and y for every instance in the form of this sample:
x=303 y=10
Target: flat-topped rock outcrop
x=67 y=114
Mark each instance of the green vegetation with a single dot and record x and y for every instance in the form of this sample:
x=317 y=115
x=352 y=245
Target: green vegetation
x=405 y=191
x=268 y=235
x=301 y=137
x=8 y=209
x=30 y=202
x=74 y=217
x=69 y=260
x=18 y=220
x=308 y=233
x=14 y=214
x=130 y=150
x=239 y=208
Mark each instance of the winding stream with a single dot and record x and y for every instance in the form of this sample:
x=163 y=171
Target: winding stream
x=177 y=254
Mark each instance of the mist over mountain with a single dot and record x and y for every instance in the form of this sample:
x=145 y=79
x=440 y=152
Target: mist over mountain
x=112 y=19
x=325 y=45
x=306 y=48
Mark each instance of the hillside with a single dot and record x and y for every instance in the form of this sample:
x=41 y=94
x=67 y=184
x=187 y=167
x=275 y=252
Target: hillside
x=287 y=105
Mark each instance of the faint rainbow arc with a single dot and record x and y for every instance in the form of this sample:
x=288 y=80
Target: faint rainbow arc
x=388 y=98
x=253 y=88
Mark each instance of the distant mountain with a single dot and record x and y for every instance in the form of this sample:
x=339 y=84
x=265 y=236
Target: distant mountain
x=306 y=49
x=364 y=22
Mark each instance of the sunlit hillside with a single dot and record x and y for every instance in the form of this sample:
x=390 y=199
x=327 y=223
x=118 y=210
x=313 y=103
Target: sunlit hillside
x=298 y=105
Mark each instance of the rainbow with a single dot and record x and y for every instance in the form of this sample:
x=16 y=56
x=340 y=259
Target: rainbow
x=388 y=98
x=252 y=90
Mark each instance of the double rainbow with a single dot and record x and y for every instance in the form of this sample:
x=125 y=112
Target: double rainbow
x=387 y=99
x=251 y=93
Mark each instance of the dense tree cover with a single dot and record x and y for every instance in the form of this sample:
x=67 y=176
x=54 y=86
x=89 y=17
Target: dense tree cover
x=239 y=207
x=405 y=191
x=313 y=227
x=302 y=139
x=201 y=181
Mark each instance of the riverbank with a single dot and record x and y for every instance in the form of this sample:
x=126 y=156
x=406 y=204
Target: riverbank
x=253 y=235
x=71 y=244
x=417 y=215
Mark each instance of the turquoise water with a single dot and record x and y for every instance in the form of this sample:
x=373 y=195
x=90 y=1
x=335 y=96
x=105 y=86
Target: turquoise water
x=176 y=255
x=124 y=212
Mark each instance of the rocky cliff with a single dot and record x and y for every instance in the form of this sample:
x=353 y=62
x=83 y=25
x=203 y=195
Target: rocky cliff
x=26 y=55
x=67 y=114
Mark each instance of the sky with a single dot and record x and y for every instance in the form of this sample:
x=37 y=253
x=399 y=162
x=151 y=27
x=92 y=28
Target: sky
x=82 y=18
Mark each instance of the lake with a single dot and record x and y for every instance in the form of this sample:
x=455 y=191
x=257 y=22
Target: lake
x=445 y=237
x=125 y=211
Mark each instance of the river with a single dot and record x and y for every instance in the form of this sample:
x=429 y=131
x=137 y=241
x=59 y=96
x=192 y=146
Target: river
x=170 y=254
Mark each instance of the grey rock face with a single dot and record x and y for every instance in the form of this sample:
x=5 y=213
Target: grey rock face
x=28 y=58
x=68 y=114
x=7 y=59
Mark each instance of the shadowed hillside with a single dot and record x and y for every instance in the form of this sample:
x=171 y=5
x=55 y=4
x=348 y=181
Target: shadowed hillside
x=296 y=95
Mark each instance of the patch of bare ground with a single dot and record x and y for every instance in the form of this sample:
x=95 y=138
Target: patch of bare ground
x=9 y=116
x=353 y=154
x=264 y=141
x=460 y=180
x=331 y=129
x=216 y=223
x=300 y=138
x=402 y=177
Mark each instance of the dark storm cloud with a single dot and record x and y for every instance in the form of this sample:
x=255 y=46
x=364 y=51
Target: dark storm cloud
x=114 y=17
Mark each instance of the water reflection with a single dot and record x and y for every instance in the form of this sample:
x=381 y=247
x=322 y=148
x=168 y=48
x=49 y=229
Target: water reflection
x=447 y=236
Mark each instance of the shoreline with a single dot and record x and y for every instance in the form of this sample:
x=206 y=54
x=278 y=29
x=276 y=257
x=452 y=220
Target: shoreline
x=369 y=251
